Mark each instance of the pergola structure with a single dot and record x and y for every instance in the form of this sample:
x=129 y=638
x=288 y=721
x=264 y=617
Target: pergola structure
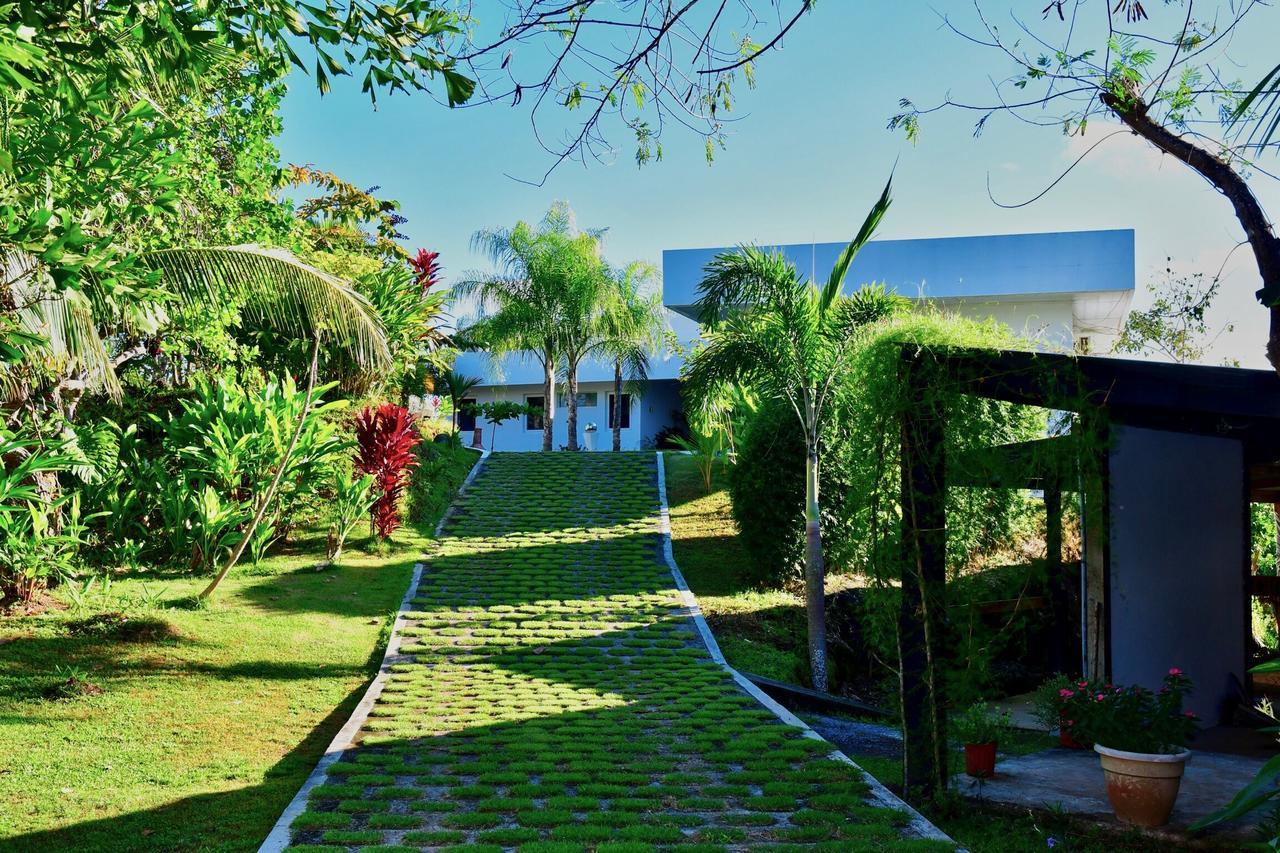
x=1166 y=459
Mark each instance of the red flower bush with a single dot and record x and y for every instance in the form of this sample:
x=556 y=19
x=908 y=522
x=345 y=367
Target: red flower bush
x=426 y=269
x=1129 y=718
x=385 y=438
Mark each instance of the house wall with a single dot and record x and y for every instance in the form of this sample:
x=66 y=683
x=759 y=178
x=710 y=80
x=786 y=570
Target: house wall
x=1177 y=555
x=512 y=435
x=658 y=409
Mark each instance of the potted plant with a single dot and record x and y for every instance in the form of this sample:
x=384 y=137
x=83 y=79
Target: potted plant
x=1141 y=737
x=979 y=728
x=589 y=433
x=1064 y=704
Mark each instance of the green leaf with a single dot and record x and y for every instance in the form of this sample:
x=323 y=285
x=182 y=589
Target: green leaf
x=458 y=87
x=1253 y=795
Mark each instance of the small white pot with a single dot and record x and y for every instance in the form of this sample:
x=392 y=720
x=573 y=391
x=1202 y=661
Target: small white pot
x=589 y=439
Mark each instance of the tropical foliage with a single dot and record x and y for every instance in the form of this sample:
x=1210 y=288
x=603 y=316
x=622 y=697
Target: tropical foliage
x=771 y=330
x=178 y=332
x=385 y=439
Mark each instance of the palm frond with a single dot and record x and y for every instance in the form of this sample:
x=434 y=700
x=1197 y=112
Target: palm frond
x=740 y=353
x=748 y=276
x=61 y=325
x=836 y=280
x=280 y=291
x=1261 y=108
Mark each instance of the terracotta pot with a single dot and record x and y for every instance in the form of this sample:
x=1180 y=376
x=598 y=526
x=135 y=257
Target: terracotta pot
x=1142 y=787
x=980 y=759
x=1067 y=740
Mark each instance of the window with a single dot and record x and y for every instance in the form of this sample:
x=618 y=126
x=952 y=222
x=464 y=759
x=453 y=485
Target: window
x=466 y=418
x=532 y=421
x=626 y=411
x=586 y=400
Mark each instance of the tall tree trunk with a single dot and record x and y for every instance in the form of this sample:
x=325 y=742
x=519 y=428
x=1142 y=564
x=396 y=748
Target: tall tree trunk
x=265 y=499
x=617 y=405
x=548 y=402
x=571 y=391
x=1220 y=173
x=922 y=613
x=815 y=571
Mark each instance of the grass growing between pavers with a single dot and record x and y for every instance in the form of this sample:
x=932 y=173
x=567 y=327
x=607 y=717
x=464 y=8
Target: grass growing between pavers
x=209 y=719
x=558 y=698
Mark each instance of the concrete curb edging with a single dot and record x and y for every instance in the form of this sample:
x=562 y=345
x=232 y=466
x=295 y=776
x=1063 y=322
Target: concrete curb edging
x=278 y=839
x=918 y=825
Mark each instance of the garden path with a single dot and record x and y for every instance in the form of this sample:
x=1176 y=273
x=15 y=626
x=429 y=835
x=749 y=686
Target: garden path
x=553 y=695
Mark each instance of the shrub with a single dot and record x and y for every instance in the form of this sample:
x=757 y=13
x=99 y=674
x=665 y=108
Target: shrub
x=979 y=723
x=442 y=467
x=188 y=495
x=385 y=439
x=32 y=552
x=1136 y=719
x=352 y=498
x=766 y=488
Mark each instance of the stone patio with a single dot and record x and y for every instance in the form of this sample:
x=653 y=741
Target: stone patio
x=1071 y=780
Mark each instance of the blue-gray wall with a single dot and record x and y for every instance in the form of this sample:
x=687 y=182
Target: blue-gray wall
x=946 y=268
x=1177 y=556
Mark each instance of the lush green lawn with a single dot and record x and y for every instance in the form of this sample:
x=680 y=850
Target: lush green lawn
x=558 y=701
x=763 y=632
x=209 y=719
x=759 y=631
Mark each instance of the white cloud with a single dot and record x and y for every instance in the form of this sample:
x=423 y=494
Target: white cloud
x=1119 y=153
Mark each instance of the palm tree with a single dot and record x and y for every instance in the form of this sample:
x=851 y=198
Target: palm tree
x=582 y=291
x=456 y=386
x=790 y=339
x=633 y=321
x=533 y=305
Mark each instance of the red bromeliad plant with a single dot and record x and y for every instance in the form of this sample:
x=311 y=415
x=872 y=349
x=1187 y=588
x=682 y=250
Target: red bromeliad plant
x=385 y=439
x=426 y=268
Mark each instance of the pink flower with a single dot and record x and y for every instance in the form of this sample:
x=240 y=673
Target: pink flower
x=1175 y=672
x=1065 y=693
x=1070 y=723
x=1190 y=715
x=1101 y=696
x=1082 y=684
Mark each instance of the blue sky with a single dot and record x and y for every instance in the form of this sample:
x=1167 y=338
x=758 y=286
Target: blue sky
x=806 y=158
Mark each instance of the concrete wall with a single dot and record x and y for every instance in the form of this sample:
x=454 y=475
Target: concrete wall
x=1177 y=556
x=1048 y=323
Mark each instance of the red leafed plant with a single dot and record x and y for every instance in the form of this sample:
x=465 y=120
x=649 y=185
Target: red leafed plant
x=385 y=438
x=426 y=268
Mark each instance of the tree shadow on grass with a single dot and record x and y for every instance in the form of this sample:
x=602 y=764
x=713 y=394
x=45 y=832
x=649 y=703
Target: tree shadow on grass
x=341 y=590
x=106 y=663
x=233 y=820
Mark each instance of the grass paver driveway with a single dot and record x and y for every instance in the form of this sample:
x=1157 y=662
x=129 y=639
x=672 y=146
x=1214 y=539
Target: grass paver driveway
x=558 y=699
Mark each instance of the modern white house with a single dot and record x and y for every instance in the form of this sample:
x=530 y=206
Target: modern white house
x=1063 y=291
